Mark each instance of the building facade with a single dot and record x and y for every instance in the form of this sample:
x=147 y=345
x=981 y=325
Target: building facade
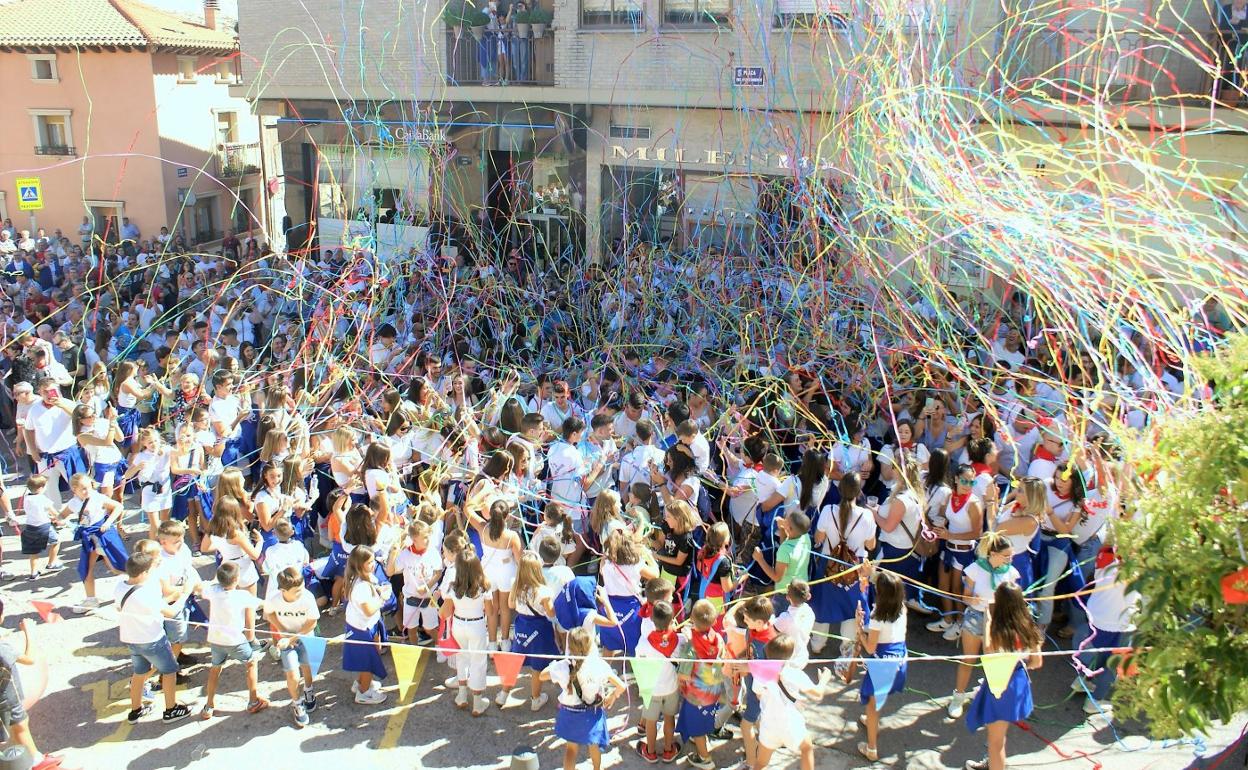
x=123 y=110
x=695 y=122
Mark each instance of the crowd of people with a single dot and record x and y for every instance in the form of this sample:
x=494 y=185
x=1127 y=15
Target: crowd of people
x=584 y=470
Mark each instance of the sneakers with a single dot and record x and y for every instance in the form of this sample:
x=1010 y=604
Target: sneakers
x=461 y=698
x=939 y=626
x=537 y=703
x=957 y=704
x=451 y=681
x=505 y=645
x=480 y=705
x=88 y=604
x=646 y=753
x=136 y=714
x=48 y=569
x=257 y=705
x=300 y=714
x=952 y=633
x=176 y=714
x=669 y=754
x=149 y=693
x=868 y=752
x=370 y=697
x=721 y=734
x=702 y=763
x=500 y=700
x=976 y=764
x=423 y=639
x=919 y=607
x=309 y=700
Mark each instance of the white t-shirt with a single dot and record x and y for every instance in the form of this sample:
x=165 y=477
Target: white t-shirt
x=140 y=618
x=635 y=466
x=226 y=618
x=775 y=707
x=176 y=570
x=890 y=632
x=293 y=616
x=361 y=592
x=1111 y=609
x=666 y=682
x=742 y=506
x=53 y=428
x=860 y=529
x=38 y=509
x=278 y=557
x=420 y=571
x=799 y=623
x=983 y=587
x=225 y=411
x=593 y=677
x=567 y=468
x=90 y=512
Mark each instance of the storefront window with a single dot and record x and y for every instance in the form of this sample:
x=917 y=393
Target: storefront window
x=611 y=13
x=686 y=13
x=719 y=211
x=388 y=185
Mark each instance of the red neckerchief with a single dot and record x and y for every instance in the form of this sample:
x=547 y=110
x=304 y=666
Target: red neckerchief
x=1060 y=496
x=1044 y=454
x=664 y=641
x=1106 y=556
x=647 y=610
x=906 y=446
x=421 y=552
x=706 y=644
x=764 y=636
x=981 y=468
x=959 y=501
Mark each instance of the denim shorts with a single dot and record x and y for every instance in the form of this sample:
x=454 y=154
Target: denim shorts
x=157 y=654
x=221 y=653
x=177 y=628
x=294 y=656
x=973 y=622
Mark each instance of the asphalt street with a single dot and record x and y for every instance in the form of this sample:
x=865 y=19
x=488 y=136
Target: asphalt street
x=81 y=715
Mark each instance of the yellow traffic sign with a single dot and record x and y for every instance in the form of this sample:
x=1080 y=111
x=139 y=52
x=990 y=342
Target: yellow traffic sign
x=29 y=194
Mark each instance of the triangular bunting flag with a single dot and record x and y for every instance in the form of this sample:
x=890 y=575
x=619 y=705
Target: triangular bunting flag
x=882 y=672
x=998 y=668
x=315 y=645
x=646 y=672
x=405 y=658
x=766 y=670
x=446 y=643
x=46 y=613
x=508 y=665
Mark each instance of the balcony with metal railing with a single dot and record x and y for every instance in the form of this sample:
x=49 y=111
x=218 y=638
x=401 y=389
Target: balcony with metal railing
x=236 y=159
x=501 y=58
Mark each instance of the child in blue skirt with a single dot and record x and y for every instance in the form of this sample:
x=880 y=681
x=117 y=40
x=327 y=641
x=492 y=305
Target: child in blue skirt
x=702 y=684
x=361 y=654
x=588 y=687
x=532 y=601
x=883 y=636
x=1010 y=629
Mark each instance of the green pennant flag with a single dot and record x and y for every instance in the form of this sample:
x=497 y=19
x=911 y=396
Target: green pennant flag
x=646 y=672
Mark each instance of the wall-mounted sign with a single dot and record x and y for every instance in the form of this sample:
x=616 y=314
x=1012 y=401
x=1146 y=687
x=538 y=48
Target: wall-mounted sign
x=747 y=76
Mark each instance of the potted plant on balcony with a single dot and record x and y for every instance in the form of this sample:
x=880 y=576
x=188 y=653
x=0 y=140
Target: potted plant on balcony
x=453 y=17
x=522 y=20
x=476 y=20
x=540 y=18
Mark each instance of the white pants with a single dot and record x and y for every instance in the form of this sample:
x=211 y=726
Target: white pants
x=472 y=659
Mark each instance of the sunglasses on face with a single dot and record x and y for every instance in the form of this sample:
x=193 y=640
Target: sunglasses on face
x=966 y=482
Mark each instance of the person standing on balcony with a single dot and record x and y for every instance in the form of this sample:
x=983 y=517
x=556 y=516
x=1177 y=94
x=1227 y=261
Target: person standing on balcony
x=519 y=46
x=1232 y=24
x=129 y=237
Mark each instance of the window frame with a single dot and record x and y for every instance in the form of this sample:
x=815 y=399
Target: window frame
x=194 y=76
x=34 y=58
x=212 y=203
x=225 y=66
x=620 y=25
x=839 y=19
x=666 y=23
x=37 y=113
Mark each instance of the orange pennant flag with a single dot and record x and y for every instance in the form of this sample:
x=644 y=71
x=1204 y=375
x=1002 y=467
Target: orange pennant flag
x=508 y=665
x=46 y=613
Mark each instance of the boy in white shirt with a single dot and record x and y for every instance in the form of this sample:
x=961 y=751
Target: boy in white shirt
x=780 y=720
x=178 y=580
x=659 y=644
x=231 y=620
x=421 y=566
x=798 y=621
x=292 y=613
x=286 y=552
x=141 y=611
x=39 y=534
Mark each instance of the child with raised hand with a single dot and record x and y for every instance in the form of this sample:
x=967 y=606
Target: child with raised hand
x=588 y=687
x=39 y=534
x=882 y=636
x=701 y=682
x=361 y=654
x=659 y=644
x=231 y=623
x=780 y=722
x=292 y=613
x=420 y=566
x=792 y=557
x=532 y=601
x=1010 y=628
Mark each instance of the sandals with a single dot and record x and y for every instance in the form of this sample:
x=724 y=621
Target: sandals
x=206 y=712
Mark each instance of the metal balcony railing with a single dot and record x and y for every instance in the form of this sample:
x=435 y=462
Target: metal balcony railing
x=55 y=149
x=235 y=159
x=500 y=58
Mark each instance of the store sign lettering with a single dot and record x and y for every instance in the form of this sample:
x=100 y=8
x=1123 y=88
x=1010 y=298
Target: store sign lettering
x=717 y=158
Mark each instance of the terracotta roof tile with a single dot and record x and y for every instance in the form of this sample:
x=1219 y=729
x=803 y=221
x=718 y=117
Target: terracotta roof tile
x=71 y=23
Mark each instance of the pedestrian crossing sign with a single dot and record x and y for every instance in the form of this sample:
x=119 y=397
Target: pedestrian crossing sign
x=29 y=194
